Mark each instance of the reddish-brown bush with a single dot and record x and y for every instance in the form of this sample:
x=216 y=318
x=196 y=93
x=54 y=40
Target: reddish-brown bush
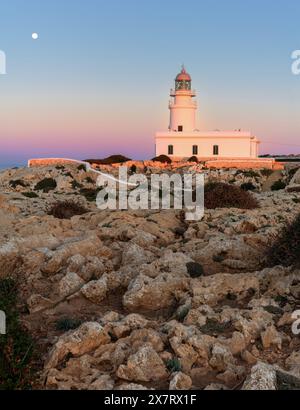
x=221 y=195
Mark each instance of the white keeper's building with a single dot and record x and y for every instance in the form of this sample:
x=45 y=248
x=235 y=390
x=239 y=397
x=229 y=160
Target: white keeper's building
x=183 y=140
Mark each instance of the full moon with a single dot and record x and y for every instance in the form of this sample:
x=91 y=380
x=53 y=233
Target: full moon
x=35 y=36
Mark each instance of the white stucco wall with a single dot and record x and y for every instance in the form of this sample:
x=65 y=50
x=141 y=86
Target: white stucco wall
x=231 y=144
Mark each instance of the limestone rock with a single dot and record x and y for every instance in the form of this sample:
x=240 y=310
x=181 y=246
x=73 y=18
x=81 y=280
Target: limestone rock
x=95 y=291
x=180 y=381
x=86 y=338
x=262 y=377
x=143 y=366
x=153 y=294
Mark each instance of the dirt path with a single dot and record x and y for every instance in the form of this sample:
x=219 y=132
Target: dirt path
x=276 y=176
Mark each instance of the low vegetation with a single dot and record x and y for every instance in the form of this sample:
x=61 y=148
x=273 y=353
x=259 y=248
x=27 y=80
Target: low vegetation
x=67 y=324
x=285 y=249
x=248 y=186
x=193 y=159
x=89 y=194
x=18 y=182
x=195 y=270
x=163 y=159
x=278 y=185
x=221 y=195
x=30 y=194
x=113 y=159
x=66 y=209
x=16 y=346
x=46 y=185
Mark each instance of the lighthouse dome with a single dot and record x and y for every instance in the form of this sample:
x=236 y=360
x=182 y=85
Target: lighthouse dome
x=183 y=76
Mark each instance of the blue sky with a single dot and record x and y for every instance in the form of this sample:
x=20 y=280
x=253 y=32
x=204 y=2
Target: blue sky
x=97 y=80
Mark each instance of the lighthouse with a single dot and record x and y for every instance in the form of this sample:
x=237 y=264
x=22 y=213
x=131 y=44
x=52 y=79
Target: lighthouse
x=184 y=140
x=183 y=106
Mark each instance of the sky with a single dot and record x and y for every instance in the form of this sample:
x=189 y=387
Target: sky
x=97 y=80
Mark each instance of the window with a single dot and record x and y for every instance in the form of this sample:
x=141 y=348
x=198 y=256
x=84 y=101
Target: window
x=180 y=128
x=216 y=149
x=170 y=150
x=195 y=149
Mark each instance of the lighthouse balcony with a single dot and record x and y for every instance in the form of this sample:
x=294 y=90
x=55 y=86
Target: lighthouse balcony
x=190 y=93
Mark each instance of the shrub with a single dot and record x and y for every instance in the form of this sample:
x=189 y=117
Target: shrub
x=89 y=180
x=16 y=346
x=193 y=159
x=221 y=195
x=249 y=173
x=132 y=169
x=89 y=194
x=68 y=174
x=292 y=172
x=266 y=172
x=46 y=185
x=194 y=269
x=67 y=324
x=285 y=249
x=278 y=185
x=66 y=209
x=30 y=194
x=17 y=182
x=81 y=167
x=163 y=159
x=173 y=365
x=248 y=186
x=182 y=313
x=76 y=184
x=113 y=159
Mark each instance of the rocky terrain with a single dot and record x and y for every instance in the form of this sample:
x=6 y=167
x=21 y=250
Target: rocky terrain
x=143 y=299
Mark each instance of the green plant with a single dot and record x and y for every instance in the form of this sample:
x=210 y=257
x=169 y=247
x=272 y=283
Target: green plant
x=17 y=182
x=89 y=194
x=89 y=180
x=46 y=185
x=68 y=174
x=278 y=185
x=81 y=167
x=173 y=365
x=67 y=324
x=66 y=209
x=248 y=173
x=182 y=313
x=194 y=269
x=285 y=249
x=248 y=186
x=16 y=346
x=30 y=194
x=75 y=184
x=221 y=195
x=266 y=172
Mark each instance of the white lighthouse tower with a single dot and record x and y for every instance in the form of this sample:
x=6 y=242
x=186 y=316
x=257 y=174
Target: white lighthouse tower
x=183 y=107
x=183 y=140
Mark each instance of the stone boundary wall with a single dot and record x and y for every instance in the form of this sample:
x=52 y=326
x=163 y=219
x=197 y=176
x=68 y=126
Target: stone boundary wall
x=259 y=163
